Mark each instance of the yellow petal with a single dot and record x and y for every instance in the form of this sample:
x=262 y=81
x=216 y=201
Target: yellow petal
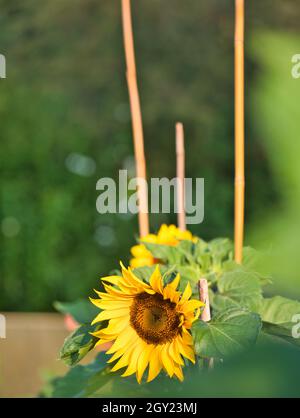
x=150 y=291
x=120 y=352
x=123 y=362
x=116 y=355
x=174 y=284
x=186 y=350
x=131 y=278
x=125 y=338
x=156 y=281
x=174 y=353
x=126 y=286
x=111 y=332
x=101 y=341
x=112 y=279
x=155 y=364
x=182 y=319
x=187 y=293
x=111 y=304
x=166 y=235
x=140 y=251
x=143 y=361
x=117 y=293
x=141 y=262
x=151 y=238
x=167 y=360
x=116 y=313
x=187 y=338
x=132 y=367
x=170 y=293
x=178 y=372
x=116 y=325
x=191 y=305
x=107 y=296
x=95 y=301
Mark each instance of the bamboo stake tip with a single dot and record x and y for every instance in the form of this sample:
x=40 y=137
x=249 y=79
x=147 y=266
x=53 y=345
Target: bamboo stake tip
x=179 y=138
x=202 y=283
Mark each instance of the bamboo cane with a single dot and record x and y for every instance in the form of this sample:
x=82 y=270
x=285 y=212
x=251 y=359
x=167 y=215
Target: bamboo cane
x=205 y=315
x=180 y=168
x=239 y=184
x=204 y=297
x=136 y=117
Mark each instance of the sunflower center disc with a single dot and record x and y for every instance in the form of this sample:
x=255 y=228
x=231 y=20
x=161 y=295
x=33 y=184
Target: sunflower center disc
x=154 y=319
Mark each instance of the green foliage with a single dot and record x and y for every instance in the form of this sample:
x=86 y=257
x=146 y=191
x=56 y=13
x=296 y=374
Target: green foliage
x=165 y=253
x=193 y=260
x=78 y=344
x=231 y=286
x=81 y=381
x=267 y=370
x=81 y=310
x=238 y=289
x=229 y=332
x=241 y=320
x=280 y=315
x=80 y=341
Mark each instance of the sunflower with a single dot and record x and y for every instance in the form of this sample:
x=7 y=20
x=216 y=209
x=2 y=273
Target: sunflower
x=167 y=235
x=148 y=324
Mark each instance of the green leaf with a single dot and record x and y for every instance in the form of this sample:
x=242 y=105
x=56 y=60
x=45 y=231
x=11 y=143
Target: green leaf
x=187 y=249
x=205 y=262
x=82 y=381
x=238 y=289
x=279 y=315
x=229 y=332
x=203 y=255
x=255 y=261
x=166 y=253
x=279 y=310
x=78 y=344
x=221 y=249
x=189 y=273
x=82 y=310
x=144 y=273
x=201 y=247
x=212 y=256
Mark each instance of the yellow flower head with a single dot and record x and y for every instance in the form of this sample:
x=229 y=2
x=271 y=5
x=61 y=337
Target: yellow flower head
x=167 y=235
x=148 y=324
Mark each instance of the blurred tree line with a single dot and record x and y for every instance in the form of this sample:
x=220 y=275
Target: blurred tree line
x=65 y=122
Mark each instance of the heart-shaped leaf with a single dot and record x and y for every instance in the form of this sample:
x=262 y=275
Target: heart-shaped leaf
x=238 y=289
x=229 y=332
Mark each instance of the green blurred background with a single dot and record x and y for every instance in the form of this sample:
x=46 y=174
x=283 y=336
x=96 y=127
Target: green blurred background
x=65 y=122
